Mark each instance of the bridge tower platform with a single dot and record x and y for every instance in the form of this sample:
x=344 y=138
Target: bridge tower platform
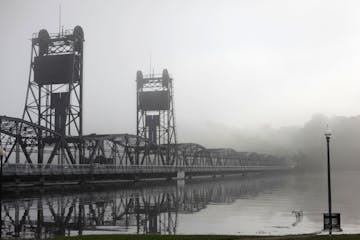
x=54 y=97
x=155 y=114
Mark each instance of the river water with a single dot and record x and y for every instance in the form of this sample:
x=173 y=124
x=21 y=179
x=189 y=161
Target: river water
x=257 y=204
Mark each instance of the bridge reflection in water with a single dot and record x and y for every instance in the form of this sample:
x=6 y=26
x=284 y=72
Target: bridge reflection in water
x=140 y=209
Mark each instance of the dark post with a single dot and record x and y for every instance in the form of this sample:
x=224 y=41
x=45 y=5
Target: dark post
x=328 y=135
x=1 y=197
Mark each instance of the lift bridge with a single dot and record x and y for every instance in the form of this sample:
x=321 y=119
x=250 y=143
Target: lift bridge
x=48 y=143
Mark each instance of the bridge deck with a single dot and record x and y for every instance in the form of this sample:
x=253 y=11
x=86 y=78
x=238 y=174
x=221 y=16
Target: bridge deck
x=86 y=169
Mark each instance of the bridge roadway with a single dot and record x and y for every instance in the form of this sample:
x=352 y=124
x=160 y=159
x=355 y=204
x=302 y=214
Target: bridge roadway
x=88 y=172
x=33 y=150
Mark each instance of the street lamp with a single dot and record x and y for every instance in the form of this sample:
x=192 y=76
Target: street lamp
x=328 y=136
x=2 y=153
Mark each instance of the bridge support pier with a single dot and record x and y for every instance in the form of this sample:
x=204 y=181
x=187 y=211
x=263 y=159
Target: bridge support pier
x=180 y=178
x=17 y=181
x=136 y=178
x=180 y=175
x=82 y=181
x=41 y=180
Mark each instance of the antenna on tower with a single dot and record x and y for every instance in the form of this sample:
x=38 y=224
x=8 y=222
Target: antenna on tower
x=59 y=18
x=150 y=65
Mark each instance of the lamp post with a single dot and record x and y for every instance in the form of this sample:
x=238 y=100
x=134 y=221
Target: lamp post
x=1 y=172
x=328 y=136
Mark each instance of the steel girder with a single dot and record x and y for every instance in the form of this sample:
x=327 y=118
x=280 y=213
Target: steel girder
x=121 y=149
x=22 y=140
x=38 y=144
x=192 y=154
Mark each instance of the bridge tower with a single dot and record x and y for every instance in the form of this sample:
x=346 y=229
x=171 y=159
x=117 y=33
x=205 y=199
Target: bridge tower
x=155 y=113
x=54 y=95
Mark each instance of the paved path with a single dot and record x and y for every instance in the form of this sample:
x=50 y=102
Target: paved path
x=287 y=237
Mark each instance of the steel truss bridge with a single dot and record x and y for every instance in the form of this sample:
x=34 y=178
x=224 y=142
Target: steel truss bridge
x=114 y=156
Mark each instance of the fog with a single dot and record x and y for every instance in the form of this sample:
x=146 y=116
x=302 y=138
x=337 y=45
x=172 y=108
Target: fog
x=248 y=74
x=304 y=146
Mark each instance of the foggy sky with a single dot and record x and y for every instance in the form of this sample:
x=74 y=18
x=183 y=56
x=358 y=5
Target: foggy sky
x=235 y=64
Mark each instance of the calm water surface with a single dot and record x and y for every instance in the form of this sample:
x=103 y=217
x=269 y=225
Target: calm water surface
x=282 y=204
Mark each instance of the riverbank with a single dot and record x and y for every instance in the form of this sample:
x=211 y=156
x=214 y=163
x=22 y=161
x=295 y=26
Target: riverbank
x=209 y=237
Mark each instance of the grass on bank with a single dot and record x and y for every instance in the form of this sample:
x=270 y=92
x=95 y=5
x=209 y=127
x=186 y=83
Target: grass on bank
x=207 y=237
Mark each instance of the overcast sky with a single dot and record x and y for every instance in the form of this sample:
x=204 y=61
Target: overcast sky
x=237 y=64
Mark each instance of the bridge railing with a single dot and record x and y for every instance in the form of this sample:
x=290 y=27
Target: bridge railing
x=80 y=169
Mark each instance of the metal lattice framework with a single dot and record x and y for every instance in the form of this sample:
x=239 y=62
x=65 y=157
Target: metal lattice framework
x=114 y=149
x=54 y=93
x=121 y=149
x=16 y=132
x=155 y=112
